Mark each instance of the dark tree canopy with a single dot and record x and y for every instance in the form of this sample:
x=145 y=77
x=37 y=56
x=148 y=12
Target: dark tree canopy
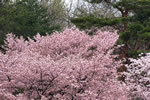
x=24 y=18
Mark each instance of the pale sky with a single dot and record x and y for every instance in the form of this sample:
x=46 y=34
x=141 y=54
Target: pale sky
x=69 y=1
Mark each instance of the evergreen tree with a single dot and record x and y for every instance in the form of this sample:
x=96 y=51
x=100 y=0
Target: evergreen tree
x=137 y=35
x=5 y=11
x=30 y=17
x=25 y=18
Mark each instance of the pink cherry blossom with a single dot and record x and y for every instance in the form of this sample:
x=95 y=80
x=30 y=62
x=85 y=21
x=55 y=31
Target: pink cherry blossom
x=138 y=77
x=63 y=66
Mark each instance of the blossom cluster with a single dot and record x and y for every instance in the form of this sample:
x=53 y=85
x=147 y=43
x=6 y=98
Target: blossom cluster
x=69 y=65
x=138 y=76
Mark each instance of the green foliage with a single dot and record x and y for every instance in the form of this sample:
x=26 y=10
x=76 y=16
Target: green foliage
x=145 y=36
x=137 y=38
x=86 y=22
x=135 y=53
x=141 y=10
x=132 y=32
x=137 y=35
x=30 y=17
x=25 y=18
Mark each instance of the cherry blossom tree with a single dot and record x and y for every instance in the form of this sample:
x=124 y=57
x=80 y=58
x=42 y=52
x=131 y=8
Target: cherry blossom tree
x=138 y=76
x=63 y=66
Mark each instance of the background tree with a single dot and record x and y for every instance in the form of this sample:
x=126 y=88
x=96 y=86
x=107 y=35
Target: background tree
x=57 y=12
x=28 y=17
x=137 y=35
x=98 y=10
x=121 y=9
x=131 y=19
x=5 y=11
